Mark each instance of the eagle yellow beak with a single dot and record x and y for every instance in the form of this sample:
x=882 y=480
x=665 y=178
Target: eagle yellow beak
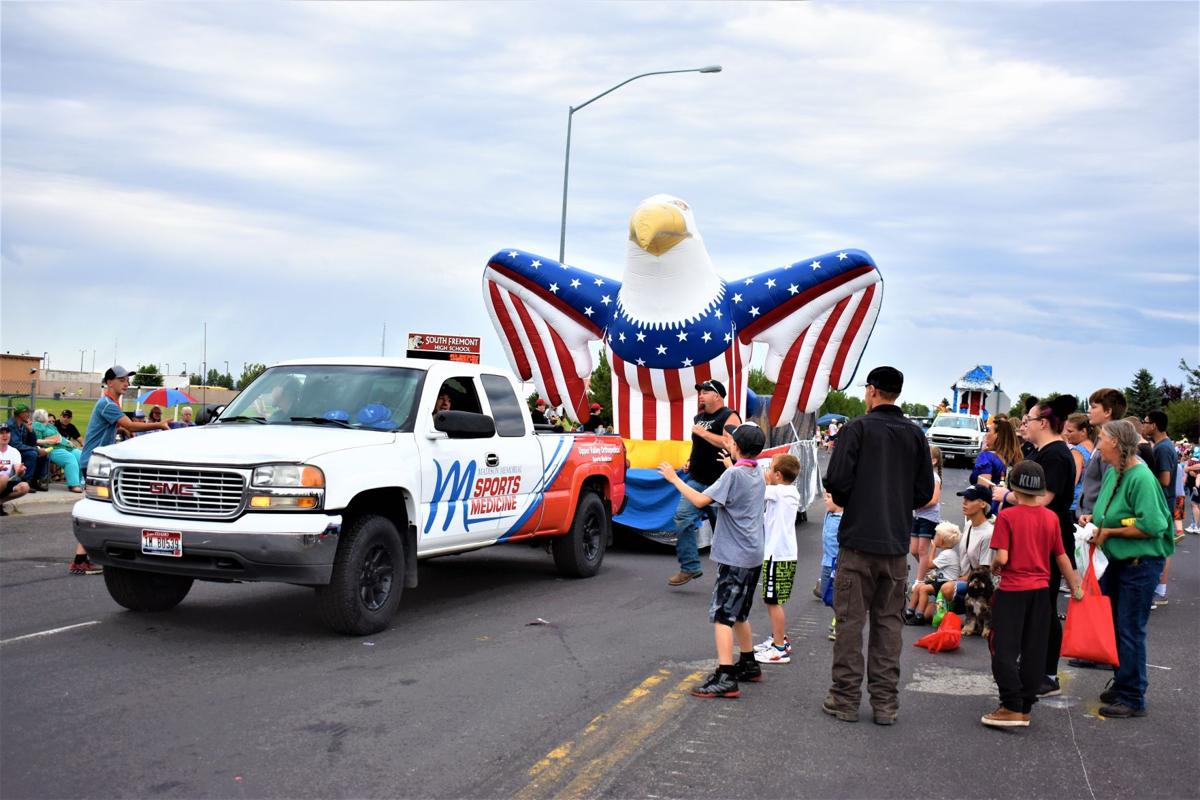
x=657 y=228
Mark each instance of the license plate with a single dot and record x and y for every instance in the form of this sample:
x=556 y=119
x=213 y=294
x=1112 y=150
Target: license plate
x=162 y=543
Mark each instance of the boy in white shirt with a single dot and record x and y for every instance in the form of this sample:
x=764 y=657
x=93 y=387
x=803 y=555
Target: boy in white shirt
x=779 y=566
x=12 y=471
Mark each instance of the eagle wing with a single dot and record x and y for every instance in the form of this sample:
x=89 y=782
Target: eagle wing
x=815 y=316
x=546 y=315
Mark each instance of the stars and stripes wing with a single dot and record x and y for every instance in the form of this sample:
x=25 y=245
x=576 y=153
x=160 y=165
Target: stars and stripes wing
x=815 y=316
x=546 y=314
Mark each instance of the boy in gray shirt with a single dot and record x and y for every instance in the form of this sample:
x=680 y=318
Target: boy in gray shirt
x=737 y=549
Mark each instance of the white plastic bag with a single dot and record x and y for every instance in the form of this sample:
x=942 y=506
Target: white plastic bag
x=1083 y=537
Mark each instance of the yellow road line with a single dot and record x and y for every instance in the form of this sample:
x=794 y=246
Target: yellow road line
x=576 y=767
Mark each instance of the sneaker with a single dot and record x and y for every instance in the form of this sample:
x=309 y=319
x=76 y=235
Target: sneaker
x=1160 y=599
x=681 y=577
x=769 y=644
x=831 y=708
x=1049 y=688
x=1003 y=718
x=718 y=685
x=773 y=655
x=832 y=630
x=84 y=568
x=748 y=671
x=817 y=591
x=1121 y=711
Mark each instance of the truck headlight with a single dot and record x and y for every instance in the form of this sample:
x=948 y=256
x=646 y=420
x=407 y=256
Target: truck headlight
x=99 y=475
x=287 y=487
x=288 y=476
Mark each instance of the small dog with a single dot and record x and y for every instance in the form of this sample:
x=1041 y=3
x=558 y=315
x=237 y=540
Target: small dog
x=979 y=602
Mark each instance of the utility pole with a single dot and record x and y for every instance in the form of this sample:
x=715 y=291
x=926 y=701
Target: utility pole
x=383 y=342
x=81 y=352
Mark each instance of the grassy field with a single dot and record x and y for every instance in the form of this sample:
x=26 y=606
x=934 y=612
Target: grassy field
x=81 y=410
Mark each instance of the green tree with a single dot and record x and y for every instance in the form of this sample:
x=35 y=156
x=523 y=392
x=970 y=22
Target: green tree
x=915 y=409
x=195 y=379
x=600 y=388
x=838 y=402
x=1191 y=378
x=148 y=375
x=1143 y=395
x=1018 y=406
x=249 y=373
x=760 y=384
x=1183 y=419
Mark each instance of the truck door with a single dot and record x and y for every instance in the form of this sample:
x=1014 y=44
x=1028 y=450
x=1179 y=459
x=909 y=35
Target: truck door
x=511 y=483
x=451 y=470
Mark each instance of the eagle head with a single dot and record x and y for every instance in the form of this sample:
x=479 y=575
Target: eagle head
x=660 y=223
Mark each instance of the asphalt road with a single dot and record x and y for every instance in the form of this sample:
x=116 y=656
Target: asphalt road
x=499 y=679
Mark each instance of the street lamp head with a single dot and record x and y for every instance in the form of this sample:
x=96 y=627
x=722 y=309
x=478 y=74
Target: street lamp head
x=712 y=68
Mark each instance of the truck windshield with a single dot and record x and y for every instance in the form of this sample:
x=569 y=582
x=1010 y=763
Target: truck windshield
x=359 y=397
x=956 y=422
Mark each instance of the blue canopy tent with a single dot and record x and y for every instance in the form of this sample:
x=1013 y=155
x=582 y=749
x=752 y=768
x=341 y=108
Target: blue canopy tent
x=825 y=419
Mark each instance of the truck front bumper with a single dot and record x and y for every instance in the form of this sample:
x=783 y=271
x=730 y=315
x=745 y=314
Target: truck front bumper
x=287 y=548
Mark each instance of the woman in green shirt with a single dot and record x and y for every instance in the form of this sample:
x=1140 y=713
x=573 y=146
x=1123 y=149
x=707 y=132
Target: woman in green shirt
x=1135 y=530
x=62 y=451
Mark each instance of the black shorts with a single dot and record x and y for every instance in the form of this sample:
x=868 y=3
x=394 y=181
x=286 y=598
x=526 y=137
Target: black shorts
x=733 y=594
x=13 y=483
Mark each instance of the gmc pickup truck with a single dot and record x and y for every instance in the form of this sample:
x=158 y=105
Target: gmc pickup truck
x=341 y=474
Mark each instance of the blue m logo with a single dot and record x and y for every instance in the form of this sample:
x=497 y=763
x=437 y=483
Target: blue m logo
x=456 y=482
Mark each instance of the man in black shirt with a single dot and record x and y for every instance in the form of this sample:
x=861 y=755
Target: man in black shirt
x=593 y=421
x=703 y=468
x=879 y=473
x=539 y=413
x=67 y=428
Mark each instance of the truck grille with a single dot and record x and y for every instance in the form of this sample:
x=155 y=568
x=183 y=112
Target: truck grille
x=175 y=492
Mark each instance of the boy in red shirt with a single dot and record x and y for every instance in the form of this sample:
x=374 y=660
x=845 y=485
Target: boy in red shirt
x=1025 y=538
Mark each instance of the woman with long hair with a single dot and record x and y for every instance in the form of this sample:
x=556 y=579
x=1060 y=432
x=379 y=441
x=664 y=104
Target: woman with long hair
x=925 y=519
x=1135 y=530
x=1001 y=450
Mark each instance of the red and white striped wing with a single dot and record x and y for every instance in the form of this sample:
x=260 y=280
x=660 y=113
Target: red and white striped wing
x=816 y=338
x=544 y=334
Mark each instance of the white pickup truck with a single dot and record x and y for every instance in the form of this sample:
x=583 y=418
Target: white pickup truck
x=341 y=474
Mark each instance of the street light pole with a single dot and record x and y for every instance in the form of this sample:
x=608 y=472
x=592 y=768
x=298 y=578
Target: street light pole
x=562 y=233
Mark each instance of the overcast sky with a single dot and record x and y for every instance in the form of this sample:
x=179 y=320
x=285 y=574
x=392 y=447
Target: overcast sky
x=299 y=175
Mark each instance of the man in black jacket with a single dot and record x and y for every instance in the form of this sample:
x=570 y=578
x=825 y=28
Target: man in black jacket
x=880 y=472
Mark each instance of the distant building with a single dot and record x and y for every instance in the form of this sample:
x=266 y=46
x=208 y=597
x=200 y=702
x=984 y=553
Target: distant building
x=977 y=392
x=19 y=373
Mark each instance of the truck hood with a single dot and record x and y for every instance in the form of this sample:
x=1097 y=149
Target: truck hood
x=243 y=444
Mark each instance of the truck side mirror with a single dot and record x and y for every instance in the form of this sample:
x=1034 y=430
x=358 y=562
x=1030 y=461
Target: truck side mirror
x=464 y=425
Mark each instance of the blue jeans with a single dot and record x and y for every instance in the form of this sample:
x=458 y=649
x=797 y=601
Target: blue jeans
x=687 y=523
x=1130 y=587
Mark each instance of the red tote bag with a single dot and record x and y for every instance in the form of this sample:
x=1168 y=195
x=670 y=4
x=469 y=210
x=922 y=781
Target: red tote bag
x=1088 y=633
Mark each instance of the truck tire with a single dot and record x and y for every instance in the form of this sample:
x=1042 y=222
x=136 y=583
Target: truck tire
x=579 y=552
x=368 y=578
x=145 y=591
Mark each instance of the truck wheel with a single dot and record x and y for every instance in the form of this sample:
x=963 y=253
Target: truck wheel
x=145 y=591
x=368 y=578
x=578 y=554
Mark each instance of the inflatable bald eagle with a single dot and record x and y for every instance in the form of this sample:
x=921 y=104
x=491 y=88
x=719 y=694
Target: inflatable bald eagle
x=672 y=322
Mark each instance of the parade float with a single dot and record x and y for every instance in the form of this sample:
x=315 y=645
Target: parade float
x=671 y=322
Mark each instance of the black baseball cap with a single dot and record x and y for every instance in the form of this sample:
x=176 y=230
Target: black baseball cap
x=885 y=379
x=976 y=493
x=712 y=386
x=116 y=371
x=1027 y=477
x=749 y=438
x=4 y=426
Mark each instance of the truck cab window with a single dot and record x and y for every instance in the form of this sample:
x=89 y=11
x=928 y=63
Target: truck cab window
x=506 y=409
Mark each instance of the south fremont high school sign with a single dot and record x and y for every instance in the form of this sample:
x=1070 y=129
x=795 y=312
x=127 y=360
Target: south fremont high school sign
x=444 y=348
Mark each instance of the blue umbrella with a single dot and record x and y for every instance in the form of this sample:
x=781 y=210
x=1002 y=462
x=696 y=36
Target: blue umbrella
x=165 y=397
x=825 y=419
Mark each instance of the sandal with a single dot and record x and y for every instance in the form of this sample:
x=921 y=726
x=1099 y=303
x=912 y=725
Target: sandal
x=75 y=489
